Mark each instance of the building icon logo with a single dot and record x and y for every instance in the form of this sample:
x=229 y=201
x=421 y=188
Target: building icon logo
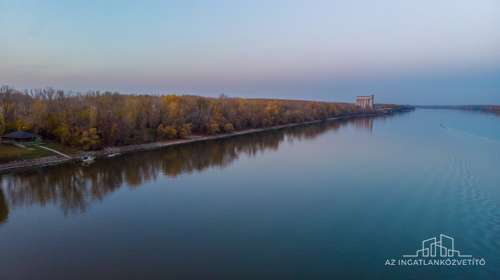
x=437 y=251
x=443 y=247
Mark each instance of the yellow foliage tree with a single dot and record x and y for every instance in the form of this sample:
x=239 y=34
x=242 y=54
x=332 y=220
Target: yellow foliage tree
x=166 y=131
x=213 y=128
x=185 y=131
x=63 y=133
x=2 y=122
x=228 y=127
x=89 y=139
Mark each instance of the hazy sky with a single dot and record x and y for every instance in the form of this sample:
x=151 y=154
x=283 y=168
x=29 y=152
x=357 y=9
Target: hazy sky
x=419 y=52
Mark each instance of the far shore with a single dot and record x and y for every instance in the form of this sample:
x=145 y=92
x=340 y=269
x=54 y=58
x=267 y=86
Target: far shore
x=57 y=159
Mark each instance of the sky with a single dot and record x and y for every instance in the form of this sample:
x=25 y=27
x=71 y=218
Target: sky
x=408 y=52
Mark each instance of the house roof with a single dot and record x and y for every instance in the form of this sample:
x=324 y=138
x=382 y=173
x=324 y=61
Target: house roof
x=20 y=135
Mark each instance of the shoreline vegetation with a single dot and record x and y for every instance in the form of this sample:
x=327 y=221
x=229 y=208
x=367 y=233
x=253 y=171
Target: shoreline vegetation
x=57 y=160
x=481 y=108
x=107 y=123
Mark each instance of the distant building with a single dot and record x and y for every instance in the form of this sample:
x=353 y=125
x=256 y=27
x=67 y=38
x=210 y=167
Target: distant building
x=365 y=102
x=20 y=136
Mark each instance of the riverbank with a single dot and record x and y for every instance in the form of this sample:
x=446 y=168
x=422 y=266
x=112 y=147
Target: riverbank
x=57 y=159
x=495 y=109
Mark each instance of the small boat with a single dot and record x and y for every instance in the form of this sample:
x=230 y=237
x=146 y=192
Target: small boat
x=113 y=155
x=87 y=158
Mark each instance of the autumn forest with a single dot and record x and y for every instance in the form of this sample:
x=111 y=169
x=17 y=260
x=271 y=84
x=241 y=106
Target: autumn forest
x=94 y=120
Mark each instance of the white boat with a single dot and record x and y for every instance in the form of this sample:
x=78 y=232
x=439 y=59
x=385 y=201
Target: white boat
x=87 y=158
x=113 y=155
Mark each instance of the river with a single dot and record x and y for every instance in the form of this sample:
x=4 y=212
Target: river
x=336 y=200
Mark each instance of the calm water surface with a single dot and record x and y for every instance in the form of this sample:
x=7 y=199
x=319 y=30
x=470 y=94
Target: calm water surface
x=326 y=201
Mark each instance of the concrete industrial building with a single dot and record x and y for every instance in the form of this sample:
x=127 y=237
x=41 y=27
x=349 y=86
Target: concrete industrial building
x=365 y=102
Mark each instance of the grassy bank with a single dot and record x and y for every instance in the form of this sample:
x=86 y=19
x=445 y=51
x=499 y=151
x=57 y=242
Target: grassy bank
x=12 y=153
x=9 y=152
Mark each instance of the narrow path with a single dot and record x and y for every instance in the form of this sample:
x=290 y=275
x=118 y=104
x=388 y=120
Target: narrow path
x=54 y=151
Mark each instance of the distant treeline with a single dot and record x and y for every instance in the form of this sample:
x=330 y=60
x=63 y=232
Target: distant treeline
x=97 y=119
x=483 y=108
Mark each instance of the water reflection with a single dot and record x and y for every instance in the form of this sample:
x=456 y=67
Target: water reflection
x=364 y=123
x=73 y=187
x=4 y=209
